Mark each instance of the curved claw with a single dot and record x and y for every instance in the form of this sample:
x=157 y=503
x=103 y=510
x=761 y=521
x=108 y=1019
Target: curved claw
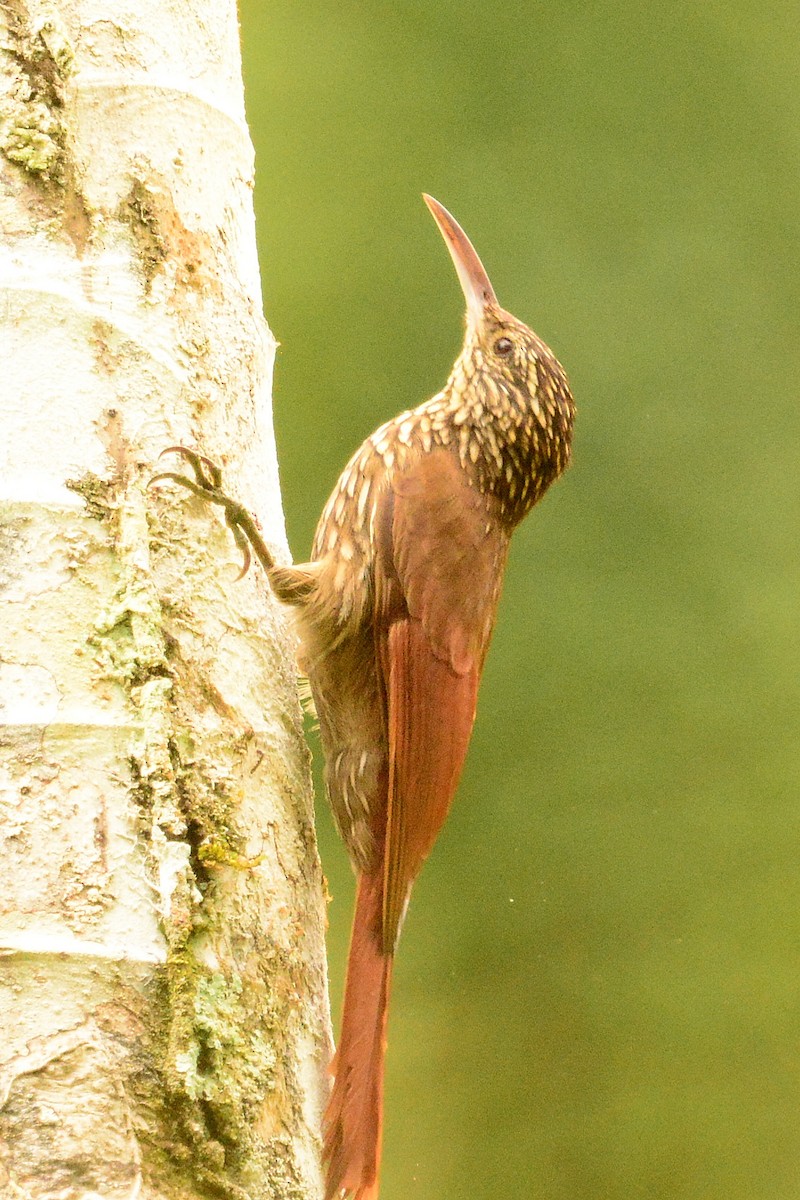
x=247 y=558
x=198 y=462
x=244 y=546
x=197 y=488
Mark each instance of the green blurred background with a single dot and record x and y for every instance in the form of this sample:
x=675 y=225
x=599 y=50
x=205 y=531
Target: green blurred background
x=598 y=990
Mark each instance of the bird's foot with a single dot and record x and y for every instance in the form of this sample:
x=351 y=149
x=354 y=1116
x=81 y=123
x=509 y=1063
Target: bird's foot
x=207 y=483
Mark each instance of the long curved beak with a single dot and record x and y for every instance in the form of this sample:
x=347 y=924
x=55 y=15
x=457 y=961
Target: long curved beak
x=475 y=284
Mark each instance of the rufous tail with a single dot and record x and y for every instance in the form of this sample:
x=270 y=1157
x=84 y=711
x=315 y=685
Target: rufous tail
x=354 y=1117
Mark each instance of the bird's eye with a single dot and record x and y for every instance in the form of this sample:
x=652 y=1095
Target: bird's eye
x=503 y=346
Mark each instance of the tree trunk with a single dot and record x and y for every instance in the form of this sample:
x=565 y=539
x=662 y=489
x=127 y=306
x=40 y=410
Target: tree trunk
x=164 y=1026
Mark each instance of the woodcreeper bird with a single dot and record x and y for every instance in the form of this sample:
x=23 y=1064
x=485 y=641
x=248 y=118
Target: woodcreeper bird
x=394 y=613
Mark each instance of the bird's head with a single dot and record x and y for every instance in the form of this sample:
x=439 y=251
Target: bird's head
x=498 y=348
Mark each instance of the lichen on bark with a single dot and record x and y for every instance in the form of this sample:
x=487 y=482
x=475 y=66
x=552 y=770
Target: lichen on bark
x=40 y=60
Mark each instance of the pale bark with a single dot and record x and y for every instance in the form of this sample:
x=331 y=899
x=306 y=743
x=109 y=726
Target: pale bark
x=164 y=1027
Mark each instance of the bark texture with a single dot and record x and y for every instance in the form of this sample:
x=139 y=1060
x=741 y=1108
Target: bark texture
x=164 y=1027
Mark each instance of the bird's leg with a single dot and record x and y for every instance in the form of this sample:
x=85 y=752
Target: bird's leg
x=207 y=484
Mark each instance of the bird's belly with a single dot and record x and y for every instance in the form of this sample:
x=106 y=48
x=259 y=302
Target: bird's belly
x=352 y=724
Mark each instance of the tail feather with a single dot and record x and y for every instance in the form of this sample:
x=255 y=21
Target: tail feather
x=354 y=1117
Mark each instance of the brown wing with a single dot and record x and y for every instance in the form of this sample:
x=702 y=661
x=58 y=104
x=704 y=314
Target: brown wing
x=438 y=572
